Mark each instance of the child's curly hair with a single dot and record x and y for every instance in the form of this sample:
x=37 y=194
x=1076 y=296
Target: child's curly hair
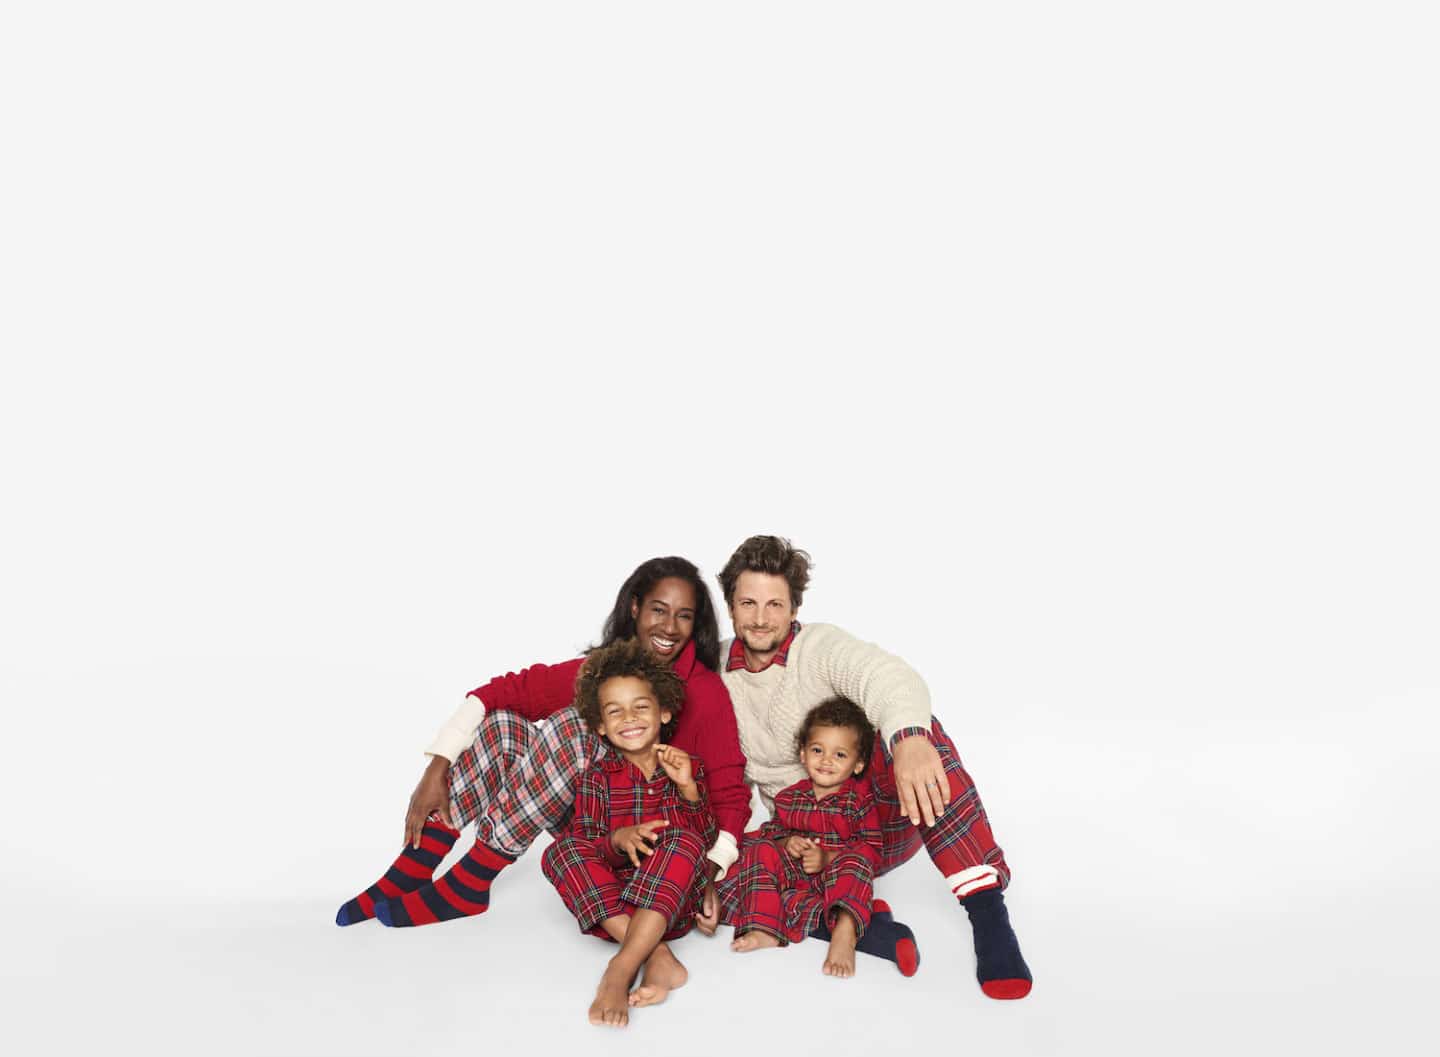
x=627 y=657
x=838 y=712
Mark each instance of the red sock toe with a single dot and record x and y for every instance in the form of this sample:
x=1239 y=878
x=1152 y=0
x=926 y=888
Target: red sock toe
x=1006 y=988
x=907 y=957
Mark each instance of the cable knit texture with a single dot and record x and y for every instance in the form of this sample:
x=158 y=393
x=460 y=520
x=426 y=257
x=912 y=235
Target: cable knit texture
x=824 y=661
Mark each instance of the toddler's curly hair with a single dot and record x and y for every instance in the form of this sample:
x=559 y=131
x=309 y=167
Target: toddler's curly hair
x=627 y=657
x=838 y=712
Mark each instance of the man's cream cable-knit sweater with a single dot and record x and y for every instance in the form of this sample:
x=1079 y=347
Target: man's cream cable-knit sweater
x=823 y=662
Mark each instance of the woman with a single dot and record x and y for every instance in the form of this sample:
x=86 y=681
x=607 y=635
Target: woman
x=514 y=779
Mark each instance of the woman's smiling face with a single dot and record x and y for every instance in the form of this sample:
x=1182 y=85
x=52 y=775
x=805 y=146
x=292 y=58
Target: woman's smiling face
x=665 y=618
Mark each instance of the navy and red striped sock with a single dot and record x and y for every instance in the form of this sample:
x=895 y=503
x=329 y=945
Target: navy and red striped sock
x=999 y=966
x=885 y=938
x=463 y=892
x=413 y=868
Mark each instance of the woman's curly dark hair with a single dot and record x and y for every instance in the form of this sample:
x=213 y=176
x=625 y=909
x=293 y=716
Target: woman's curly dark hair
x=627 y=657
x=838 y=712
x=620 y=624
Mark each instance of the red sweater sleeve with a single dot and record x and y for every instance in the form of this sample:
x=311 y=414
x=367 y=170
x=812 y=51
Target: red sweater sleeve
x=537 y=692
x=707 y=729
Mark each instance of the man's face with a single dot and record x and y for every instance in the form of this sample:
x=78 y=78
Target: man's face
x=761 y=611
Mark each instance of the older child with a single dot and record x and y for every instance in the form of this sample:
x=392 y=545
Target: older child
x=812 y=867
x=629 y=867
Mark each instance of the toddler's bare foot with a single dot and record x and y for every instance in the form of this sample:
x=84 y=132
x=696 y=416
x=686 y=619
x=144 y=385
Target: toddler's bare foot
x=612 y=998
x=840 y=958
x=754 y=941
x=663 y=973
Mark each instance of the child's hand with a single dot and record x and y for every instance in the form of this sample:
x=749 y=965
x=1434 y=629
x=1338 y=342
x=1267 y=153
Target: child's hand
x=676 y=764
x=636 y=841
x=796 y=846
x=813 y=861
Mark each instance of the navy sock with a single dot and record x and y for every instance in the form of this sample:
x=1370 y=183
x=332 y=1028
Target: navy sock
x=999 y=966
x=885 y=938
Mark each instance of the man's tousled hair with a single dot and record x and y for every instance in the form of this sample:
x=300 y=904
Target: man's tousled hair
x=772 y=555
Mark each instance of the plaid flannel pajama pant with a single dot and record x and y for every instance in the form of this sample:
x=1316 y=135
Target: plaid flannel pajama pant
x=960 y=843
x=517 y=779
x=595 y=889
x=777 y=895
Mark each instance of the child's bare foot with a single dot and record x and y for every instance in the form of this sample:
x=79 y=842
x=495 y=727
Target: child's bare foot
x=663 y=973
x=754 y=941
x=840 y=958
x=612 y=998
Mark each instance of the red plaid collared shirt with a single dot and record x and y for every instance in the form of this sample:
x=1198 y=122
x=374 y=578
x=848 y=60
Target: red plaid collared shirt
x=613 y=793
x=844 y=820
x=736 y=658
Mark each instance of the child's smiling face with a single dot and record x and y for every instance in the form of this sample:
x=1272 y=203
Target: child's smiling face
x=630 y=717
x=831 y=755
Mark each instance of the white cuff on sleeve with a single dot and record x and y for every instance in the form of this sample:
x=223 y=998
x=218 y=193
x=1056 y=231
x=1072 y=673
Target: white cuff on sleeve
x=459 y=730
x=724 y=853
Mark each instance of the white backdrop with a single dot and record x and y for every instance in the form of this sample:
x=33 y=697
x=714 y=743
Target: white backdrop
x=355 y=353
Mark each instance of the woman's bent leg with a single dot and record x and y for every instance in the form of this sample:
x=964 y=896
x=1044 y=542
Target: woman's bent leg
x=516 y=781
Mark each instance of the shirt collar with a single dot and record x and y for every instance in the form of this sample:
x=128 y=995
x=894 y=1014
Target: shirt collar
x=737 y=651
x=847 y=786
x=612 y=761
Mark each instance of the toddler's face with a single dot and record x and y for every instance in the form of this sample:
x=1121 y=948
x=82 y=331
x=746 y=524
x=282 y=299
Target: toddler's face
x=831 y=755
x=630 y=717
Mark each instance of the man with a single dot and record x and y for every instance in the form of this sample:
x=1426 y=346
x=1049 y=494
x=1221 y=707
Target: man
x=777 y=670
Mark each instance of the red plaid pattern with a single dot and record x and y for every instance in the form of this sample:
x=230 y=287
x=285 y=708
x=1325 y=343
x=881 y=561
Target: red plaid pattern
x=597 y=883
x=736 y=657
x=960 y=842
x=517 y=779
x=778 y=896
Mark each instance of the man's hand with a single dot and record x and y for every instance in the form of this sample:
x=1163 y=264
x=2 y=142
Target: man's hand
x=796 y=846
x=707 y=918
x=813 y=860
x=431 y=797
x=920 y=779
x=636 y=841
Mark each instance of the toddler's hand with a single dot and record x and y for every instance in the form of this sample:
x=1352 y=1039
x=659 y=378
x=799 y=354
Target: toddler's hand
x=813 y=861
x=796 y=846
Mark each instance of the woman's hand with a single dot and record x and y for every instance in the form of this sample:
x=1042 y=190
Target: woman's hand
x=636 y=841
x=431 y=797
x=707 y=918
